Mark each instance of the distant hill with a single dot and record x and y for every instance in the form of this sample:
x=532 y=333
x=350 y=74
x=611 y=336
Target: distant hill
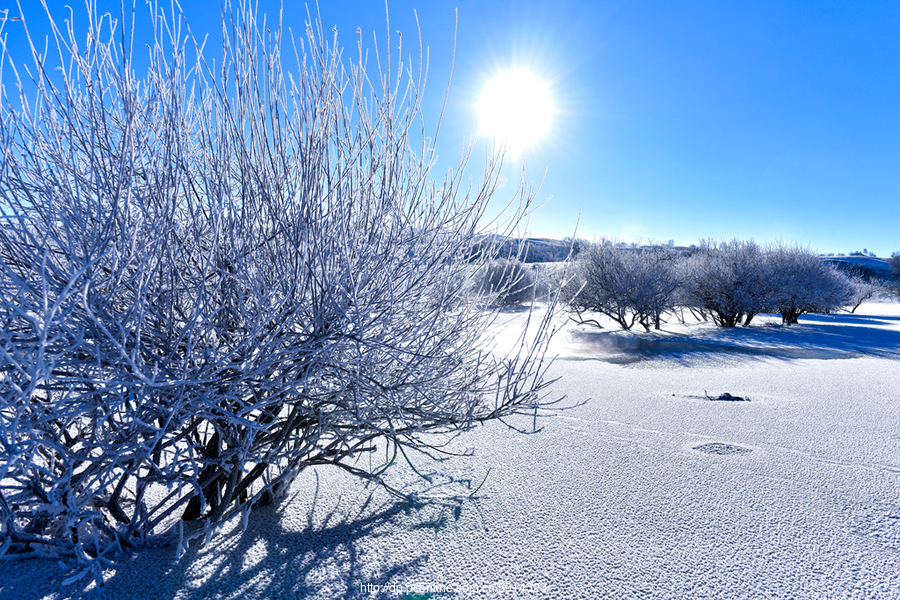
x=534 y=250
x=859 y=261
x=867 y=267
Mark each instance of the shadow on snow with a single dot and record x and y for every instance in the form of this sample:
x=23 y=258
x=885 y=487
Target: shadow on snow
x=265 y=560
x=817 y=336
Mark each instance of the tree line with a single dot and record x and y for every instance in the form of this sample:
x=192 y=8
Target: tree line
x=728 y=282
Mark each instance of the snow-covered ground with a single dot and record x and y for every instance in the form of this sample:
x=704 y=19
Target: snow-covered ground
x=648 y=490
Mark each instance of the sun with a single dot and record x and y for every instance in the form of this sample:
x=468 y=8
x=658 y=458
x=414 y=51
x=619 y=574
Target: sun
x=515 y=109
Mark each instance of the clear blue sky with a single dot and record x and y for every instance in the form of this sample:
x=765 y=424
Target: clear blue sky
x=675 y=120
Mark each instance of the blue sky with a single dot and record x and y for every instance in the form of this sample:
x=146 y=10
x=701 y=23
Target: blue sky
x=674 y=120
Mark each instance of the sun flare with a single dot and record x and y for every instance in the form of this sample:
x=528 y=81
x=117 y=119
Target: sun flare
x=516 y=109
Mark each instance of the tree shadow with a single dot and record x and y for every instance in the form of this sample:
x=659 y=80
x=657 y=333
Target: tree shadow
x=816 y=336
x=267 y=559
x=851 y=319
x=270 y=561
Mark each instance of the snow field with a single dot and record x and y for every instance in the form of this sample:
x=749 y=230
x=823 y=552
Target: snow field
x=611 y=499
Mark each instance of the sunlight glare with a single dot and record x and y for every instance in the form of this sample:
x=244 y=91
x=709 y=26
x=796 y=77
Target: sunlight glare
x=516 y=109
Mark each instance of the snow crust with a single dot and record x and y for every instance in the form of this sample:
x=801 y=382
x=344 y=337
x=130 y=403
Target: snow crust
x=615 y=498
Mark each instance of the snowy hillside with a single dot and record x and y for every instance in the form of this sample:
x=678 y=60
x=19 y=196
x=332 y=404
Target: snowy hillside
x=880 y=264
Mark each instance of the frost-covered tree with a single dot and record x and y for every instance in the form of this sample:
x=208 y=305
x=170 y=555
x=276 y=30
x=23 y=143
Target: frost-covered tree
x=894 y=263
x=736 y=280
x=629 y=285
x=804 y=283
x=729 y=281
x=893 y=284
x=220 y=273
x=861 y=290
x=507 y=282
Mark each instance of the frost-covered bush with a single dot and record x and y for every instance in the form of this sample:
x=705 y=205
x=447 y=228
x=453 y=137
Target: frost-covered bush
x=728 y=280
x=861 y=290
x=219 y=274
x=507 y=282
x=629 y=285
x=804 y=283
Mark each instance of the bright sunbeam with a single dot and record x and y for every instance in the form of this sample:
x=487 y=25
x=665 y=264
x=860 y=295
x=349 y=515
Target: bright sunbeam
x=516 y=109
